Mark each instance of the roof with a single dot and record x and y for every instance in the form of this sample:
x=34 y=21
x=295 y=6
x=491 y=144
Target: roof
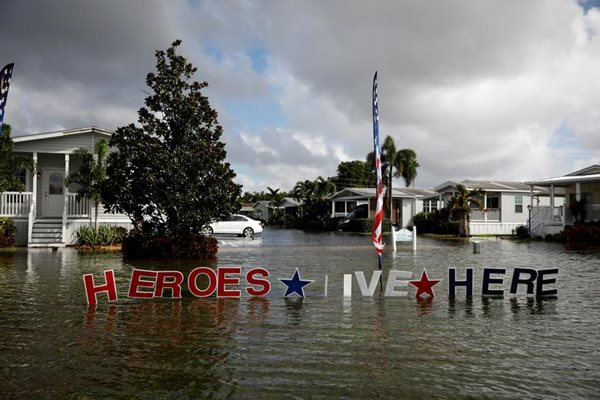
x=489 y=186
x=591 y=170
x=55 y=134
x=290 y=202
x=358 y=193
x=588 y=174
x=262 y=203
x=566 y=180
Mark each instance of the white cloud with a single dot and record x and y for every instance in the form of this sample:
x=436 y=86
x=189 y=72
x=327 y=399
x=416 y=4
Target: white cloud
x=256 y=144
x=480 y=89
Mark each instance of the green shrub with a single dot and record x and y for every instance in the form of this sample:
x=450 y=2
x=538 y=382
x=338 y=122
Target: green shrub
x=105 y=236
x=588 y=232
x=425 y=222
x=7 y=232
x=144 y=246
x=366 y=225
x=521 y=232
x=437 y=221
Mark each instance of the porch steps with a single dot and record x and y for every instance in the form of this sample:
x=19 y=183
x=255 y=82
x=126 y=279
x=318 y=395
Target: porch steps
x=47 y=233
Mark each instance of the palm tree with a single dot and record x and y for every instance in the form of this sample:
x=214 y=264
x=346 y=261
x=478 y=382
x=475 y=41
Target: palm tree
x=395 y=164
x=323 y=188
x=303 y=190
x=276 y=198
x=91 y=175
x=460 y=206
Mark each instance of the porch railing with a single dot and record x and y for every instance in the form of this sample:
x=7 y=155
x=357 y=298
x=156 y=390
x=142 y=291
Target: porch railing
x=491 y=214
x=592 y=213
x=546 y=215
x=77 y=208
x=15 y=204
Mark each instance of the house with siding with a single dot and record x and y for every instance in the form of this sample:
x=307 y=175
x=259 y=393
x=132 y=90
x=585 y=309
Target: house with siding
x=504 y=204
x=47 y=213
x=406 y=203
x=582 y=186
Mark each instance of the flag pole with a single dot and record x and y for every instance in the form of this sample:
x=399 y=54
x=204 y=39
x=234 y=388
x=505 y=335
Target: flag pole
x=378 y=220
x=5 y=76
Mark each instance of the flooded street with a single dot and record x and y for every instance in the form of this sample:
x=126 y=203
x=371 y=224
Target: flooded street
x=53 y=346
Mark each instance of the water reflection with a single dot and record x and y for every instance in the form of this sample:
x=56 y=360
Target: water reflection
x=533 y=306
x=424 y=305
x=52 y=346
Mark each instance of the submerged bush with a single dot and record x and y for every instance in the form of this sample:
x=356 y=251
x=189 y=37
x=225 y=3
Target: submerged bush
x=521 y=232
x=7 y=232
x=366 y=225
x=105 y=235
x=588 y=232
x=193 y=247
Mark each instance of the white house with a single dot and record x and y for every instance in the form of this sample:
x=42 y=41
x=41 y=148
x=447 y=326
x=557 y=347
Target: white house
x=504 y=205
x=47 y=213
x=405 y=203
x=581 y=186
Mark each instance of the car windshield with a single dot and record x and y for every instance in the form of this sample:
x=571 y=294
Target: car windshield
x=358 y=212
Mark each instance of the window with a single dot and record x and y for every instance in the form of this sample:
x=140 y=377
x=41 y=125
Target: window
x=55 y=183
x=350 y=205
x=492 y=202
x=22 y=176
x=518 y=203
x=238 y=218
x=340 y=207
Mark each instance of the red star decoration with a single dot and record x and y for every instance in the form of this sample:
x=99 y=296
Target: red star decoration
x=425 y=285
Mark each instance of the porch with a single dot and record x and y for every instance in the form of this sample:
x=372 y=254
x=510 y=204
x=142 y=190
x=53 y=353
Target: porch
x=548 y=216
x=36 y=230
x=582 y=193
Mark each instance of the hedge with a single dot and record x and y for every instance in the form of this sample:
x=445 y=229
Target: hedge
x=7 y=232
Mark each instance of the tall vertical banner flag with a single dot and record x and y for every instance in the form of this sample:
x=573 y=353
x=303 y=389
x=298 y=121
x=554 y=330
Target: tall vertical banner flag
x=5 y=76
x=378 y=221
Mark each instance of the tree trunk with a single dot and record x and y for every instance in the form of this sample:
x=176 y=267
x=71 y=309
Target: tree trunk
x=463 y=229
x=390 y=197
x=96 y=207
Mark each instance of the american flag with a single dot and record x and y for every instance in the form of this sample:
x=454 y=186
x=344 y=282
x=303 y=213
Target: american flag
x=5 y=76
x=376 y=233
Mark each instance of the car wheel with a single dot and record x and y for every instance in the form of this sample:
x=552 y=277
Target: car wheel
x=248 y=232
x=208 y=230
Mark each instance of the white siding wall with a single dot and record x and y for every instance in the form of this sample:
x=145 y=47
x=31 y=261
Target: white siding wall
x=21 y=234
x=507 y=205
x=72 y=227
x=492 y=228
x=409 y=209
x=63 y=145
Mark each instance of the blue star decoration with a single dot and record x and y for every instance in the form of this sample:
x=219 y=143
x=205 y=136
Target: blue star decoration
x=295 y=285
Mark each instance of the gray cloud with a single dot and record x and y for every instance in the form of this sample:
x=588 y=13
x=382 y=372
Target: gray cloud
x=480 y=89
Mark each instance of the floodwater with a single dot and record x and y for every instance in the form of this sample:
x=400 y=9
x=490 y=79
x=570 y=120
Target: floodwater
x=53 y=346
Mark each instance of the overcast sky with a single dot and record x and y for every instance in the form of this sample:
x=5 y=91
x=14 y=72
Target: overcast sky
x=505 y=90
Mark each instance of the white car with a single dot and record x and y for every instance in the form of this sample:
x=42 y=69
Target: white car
x=236 y=224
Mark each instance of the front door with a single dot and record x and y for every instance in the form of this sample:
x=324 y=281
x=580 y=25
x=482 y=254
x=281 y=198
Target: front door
x=53 y=192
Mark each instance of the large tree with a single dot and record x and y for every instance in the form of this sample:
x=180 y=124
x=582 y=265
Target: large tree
x=11 y=163
x=354 y=173
x=170 y=173
x=395 y=163
x=91 y=175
